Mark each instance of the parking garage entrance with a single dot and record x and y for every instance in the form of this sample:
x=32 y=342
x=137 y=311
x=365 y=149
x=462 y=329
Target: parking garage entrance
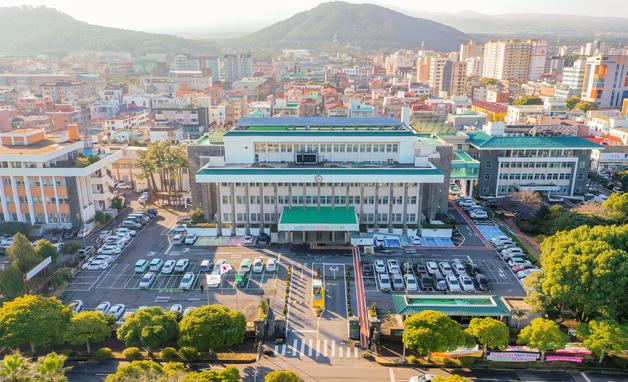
x=327 y=225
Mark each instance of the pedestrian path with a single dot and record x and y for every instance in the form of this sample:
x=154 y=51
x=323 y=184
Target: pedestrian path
x=316 y=349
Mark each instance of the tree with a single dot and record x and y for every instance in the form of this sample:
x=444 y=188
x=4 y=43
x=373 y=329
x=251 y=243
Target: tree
x=602 y=337
x=430 y=331
x=149 y=327
x=282 y=376
x=450 y=378
x=198 y=216
x=146 y=371
x=49 y=368
x=617 y=206
x=116 y=203
x=33 y=320
x=45 y=249
x=585 y=106
x=528 y=100
x=489 y=332
x=87 y=327
x=544 y=335
x=166 y=162
x=586 y=270
x=525 y=204
x=15 y=368
x=572 y=101
x=212 y=327
x=11 y=282
x=532 y=286
x=485 y=81
x=22 y=254
x=228 y=374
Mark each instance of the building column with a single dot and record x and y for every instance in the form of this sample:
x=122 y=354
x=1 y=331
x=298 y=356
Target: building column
x=43 y=199
x=376 y=217
x=247 y=226
x=362 y=220
x=16 y=200
x=3 y=200
x=261 y=207
x=471 y=188
x=419 y=202
x=29 y=199
x=276 y=217
x=405 y=206
x=218 y=209
x=390 y=204
x=54 y=188
x=234 y=221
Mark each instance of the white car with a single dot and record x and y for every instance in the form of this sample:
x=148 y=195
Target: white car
x=248 y=239
x=526 y=272
x=178 y=238
x=445 y=268
x=271 y=266
x=466 y=283
x=213 y=281
x=411 y=284
x=147 y=280
x=103 y=307
x=452 y=283
x=181 y=265
x=384 y=282
x=117 y=311
x=517 y=261
x=109 y=250
x=168 y=266
x=416 y=240
x=187 y=281
x=155 y=265
x=423 y=378
x=95 y=265
x=179 y=229
x=478 y=214
x=380 y=267
x=432 y=267
x=393 y=266
x=177 y=308
x=245 y=265
x=125 y=232
x=191 y=238
x=188 y=310
x=76 y=305
x=496 y=239
x=458 y=268
x=397 y=281
x=511 y=250
x=106 y=258
x=258 y=265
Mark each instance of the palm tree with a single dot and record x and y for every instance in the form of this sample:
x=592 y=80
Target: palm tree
x=15 y=368
x=49 y=368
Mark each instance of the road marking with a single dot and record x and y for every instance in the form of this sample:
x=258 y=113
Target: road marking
x=586 y=378
x=392 y=374
x=355 y=352
x=283 y=349
x=325 y=348
x=340 y=351
x=318 y=348
x=309 y=348
x=276 y=349
x=333 y=348
x=295 y=350
x=302 y=348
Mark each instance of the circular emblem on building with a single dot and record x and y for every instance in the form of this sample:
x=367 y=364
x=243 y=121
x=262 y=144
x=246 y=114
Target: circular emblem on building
x=318 y=178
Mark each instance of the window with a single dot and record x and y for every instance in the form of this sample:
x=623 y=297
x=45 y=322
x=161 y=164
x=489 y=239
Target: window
x=383 y=218
x=255 y=217
x=226 y=199
x=226 y=217
x=488 y=164
x=413 y=200
x=240 y=217
x=239 y=199
x=580 y=176
x=488 y=176
x=411 y=218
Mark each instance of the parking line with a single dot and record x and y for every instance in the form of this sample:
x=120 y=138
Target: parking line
x=333 y=348
x=318 y=348
x=325 y=348
x=283 y=349
x=295 y=351
x=340 y=351
x=303 y=347
x=309 y=348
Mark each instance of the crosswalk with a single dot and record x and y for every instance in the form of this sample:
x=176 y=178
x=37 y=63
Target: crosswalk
x=316 y=349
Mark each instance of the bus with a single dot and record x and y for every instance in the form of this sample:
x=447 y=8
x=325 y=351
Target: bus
x=318 y=295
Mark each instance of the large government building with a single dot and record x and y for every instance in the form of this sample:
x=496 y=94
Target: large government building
x=319 y=179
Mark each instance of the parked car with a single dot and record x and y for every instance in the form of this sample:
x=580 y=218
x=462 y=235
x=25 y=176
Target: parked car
x=129 y=223
x=176 y=308
x=423 y=378
x=141 y=265
x=271 y=265
x=452 y=283
x=458 y=268
x=248 y=239
x=95 y=265
x=397 y=281
x=103 y=307
x=258 y=265
x=445 y=268
x=380 y=266
x=168 y=266
x=526 y=272
x=117 y=311
x=105 y=258
x=420 y=268
x=205 y=267
x=124 y=186
x=87 y=252
x=440 y=284
x=426 y=282
x=191 y=238
x=155 y=265
x=499 y=238
x=518 y=268
x=432 y=267
x=181 y=265
x=514 y=254
x=411 y=283
x=393 y=266
x=416 y=240
x=245 y=265
x=188 y=310
x=216 y=271
x=178 y=238
x=147 y=280
x=109 y=250
x=511 y=250
x=466 y=283
x=482 y=282
x=263 y=238
x=367 y=269
x=187 y=281
x=125 y=232
x=517 y=261
x=478 y=214
x=181 y=228
x=76 y=306
x=384 y=282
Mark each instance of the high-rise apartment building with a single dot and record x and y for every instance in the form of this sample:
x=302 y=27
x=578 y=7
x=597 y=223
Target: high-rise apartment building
x=506 y=60
x=458 y=79
x=437 y=80
x=470 y=50
x=606 y=80
x=237 y=66
x=538 y=58
x=573 y=76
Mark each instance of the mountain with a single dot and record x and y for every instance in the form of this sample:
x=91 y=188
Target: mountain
x=30 y=30
x=358 y=25
x=531 y=24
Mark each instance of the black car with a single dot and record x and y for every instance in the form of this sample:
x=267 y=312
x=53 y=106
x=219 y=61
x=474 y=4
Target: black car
x=263 y=238
x=152 y=211
x=439 y=281
x=367 y=269
x=472 y=268
x=420 y=268
x=425 y=282
x=406 y=267
x=482 y=282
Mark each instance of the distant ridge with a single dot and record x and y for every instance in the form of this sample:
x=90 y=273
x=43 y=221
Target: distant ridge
x=358 y=25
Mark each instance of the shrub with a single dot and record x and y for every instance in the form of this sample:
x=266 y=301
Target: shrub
x=132 y=353
x=169 y=354
x=67 y=352
x=188 y=353
x=411 y=359
x=103 y=354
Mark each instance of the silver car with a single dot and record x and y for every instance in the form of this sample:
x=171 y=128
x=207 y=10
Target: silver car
x=147 y=280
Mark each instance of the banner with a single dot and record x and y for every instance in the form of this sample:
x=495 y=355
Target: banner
x=563 y=358
x=512 y=357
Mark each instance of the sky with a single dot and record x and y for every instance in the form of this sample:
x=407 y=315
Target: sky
x=165 y=15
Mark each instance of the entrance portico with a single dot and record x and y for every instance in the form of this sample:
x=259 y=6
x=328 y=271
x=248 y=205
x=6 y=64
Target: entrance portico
x=317 y=224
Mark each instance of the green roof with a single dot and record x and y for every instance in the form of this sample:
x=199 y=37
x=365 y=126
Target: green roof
x=464 y=157
x=213 y=139
x=318 y=171
x=318 y=215
x=481 y=140
x=452 y=305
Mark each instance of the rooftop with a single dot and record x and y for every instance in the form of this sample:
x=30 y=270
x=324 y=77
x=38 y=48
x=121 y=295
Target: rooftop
x=321 y=125
x=491 y=106
x=318 y=215
x=320 y=169
x=214 y=138
x=44 y=146
x=452 y=305
x=481 y=140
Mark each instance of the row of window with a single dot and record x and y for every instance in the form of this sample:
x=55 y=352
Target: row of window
x=527 y=176
x=38 y=200
x=238 y=184
x=271 y=218
x=534 y=164
x=39 y=218
x=45 y=182
x=323 y=199
x=326 y=147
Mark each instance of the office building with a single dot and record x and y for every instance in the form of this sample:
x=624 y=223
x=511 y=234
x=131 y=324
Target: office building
x=320 y=179
x=606 y=81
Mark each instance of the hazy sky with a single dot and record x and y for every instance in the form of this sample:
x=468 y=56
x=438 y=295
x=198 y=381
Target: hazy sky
x=168 y=15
